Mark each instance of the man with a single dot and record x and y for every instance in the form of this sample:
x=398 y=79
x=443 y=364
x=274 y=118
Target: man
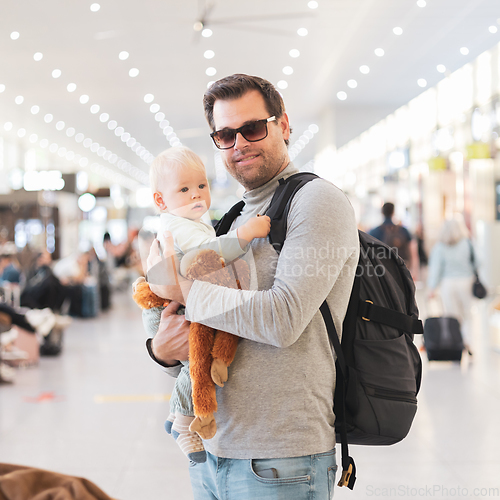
x=275 y=423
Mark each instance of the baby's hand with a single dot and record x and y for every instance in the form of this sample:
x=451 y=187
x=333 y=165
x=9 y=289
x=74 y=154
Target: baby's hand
x=259 y=227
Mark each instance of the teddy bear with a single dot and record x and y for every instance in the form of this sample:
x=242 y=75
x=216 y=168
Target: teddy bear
x=210 y=351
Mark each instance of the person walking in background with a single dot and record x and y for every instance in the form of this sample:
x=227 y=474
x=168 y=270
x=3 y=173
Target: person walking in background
x=450 y=267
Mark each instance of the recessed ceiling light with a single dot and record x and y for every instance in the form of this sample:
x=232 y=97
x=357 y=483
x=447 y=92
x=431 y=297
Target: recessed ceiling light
x=104 y=117
x=379 y=52
x=209 y=54
x=125 y=137
x=44 y=143
x=119 y=131
x=14 y=35
x=94 y=147
x=288 y=70
x=35 y=109
x=464 y=51
x=159 y=116
x=341 y=95
x=21 y=132
x=149 y=98
x=421 y=3
x=314 y=128
x=87 y=142
x=71 y=87
x=133 y=72
x=207 y=33
x=352 y=84
x=19 y=99
x=95 y=7
x=441 y=68
x=60 y=125
x=56 y=73
x=154 y=108
x=123 y=55
x=211 y=71
x=364 y=69
x=95 y=108
x=48 y=118
x=130 y=142
x=294 y=53
x=397 y=30
x=422 y=82
x=79 y=137
x=282 y=84
x=312 y=4
x=302 y=32
x=53 y=147
x=493 y=29
x=112 y=124
x=84 y=99
x=37 y=56
x=8 y=126
x=33 y=138
x=70 y=132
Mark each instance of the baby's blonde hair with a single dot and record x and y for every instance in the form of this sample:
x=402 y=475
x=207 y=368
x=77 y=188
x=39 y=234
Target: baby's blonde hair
x=175 y=158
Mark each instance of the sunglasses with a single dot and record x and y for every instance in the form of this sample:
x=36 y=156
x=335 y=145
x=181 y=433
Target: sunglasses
x=253 y=132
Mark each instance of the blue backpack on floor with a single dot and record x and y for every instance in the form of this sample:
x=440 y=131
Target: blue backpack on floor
x=379 y=368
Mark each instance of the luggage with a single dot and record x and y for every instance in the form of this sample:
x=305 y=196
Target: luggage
x=443 y=339
x=379 y=368
x=52 y=343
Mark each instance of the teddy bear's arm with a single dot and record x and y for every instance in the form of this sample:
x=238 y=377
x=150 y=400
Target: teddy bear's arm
x=144 y=297
x=223 y=353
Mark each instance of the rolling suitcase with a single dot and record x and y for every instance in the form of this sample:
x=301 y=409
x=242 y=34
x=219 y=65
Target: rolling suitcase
x=443 y=339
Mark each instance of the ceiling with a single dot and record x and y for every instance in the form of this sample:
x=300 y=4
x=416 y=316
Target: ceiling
x=249 y=37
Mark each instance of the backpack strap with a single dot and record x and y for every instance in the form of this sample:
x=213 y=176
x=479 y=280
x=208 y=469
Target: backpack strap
x=223 y=226
x=370 y=312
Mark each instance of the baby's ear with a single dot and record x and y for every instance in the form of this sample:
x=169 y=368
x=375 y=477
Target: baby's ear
x=158 y=199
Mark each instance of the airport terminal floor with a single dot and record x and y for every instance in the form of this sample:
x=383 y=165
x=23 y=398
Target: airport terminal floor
x=97 y=411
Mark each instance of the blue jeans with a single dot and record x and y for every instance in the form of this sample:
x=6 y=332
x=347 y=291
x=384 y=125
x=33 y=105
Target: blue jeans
x=310 y=477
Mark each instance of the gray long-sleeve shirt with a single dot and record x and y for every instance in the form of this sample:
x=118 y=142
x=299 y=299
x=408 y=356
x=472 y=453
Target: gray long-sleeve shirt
x=279 y=396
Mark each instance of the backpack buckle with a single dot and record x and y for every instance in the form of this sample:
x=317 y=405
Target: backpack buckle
x=369 y=302
x=346 y=476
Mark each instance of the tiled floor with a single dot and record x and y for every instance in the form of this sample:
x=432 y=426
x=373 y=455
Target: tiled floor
x=106 y=420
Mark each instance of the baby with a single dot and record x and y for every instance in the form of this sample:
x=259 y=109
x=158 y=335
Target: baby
x=181 y=193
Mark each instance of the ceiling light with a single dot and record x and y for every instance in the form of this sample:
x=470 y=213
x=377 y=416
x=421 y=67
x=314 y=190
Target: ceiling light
x=421 y=3
x=159 y=116
x=422 y=82
x=210 y=83
x=125 y=137
x=133 y=72
x=71 y=87
x=70 y=132
x=136 y=146
x=154 y=108
x=341 y=95
x=123 y=55
x=56 y=73
x=44 y=143
x=352 y=84
x=441 y=68
x=104 y=117
x=60 y=125
x=19 y=99
x=48 y=118
x=464 y=51
x=53 y=147
x=14 y=35
x=313 y=128
x=209 y=54
x=397 y=30
x=149 y=98
x=87 y=142
x=37 y=56
x=207 y=33
x=493 y=29
x=211 y=71
x=101 y=151
x=61 y=151
x=282 y=84
x=294 y=53
x=112 y=124
x=83 y=162
x=94 y=147
x=130 y=142
x=95 y=7
x=84 y=99
x=302 y=32
x=8 y=126
x=379 y=52
x=288 y=70
x=95 y=108
x=312 y=4
x=364 y=69
x=35 y=109
x=87 y=201
x=2 y=87
x=119 y=131
x=79 y=137
x=164 y=123
x=70 y=155
x=21 y=132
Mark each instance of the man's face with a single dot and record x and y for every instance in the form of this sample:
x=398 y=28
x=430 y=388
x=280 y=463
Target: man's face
x=252 y=164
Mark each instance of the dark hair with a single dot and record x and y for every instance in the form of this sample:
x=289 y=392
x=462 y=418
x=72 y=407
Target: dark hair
x=388 y=209
x=235 y=86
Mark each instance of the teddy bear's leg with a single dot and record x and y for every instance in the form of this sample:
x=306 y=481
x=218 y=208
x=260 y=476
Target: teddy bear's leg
x=225 y=345
x=201 y=340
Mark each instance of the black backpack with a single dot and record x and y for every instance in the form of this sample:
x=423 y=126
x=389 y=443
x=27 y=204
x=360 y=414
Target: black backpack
x=378 y=366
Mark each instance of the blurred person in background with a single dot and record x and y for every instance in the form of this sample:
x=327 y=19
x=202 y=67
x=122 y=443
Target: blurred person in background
x=450 y=267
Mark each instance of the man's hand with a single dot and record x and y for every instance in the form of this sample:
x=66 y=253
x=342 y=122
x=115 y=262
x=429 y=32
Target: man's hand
x=163 y=271
x=170 y=344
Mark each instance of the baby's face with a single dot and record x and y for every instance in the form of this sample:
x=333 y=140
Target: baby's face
x=186 y=194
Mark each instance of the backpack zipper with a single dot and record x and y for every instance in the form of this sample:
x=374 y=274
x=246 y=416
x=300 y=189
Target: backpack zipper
x=378 y=392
